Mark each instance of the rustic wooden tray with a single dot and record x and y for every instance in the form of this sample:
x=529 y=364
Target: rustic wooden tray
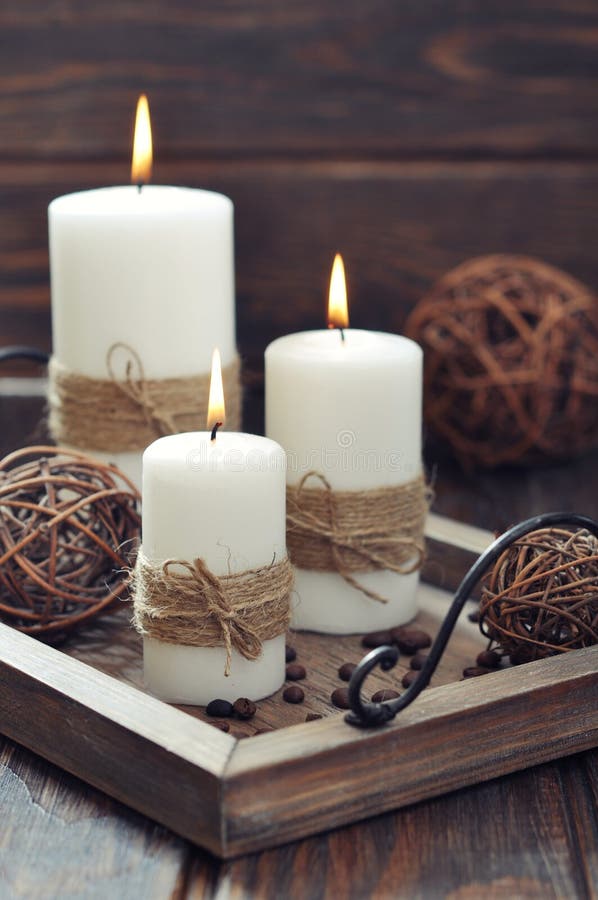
x=83 y=708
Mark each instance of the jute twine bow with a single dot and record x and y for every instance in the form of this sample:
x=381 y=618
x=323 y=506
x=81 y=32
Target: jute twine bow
x=357 y=531
x=199 y=609
x=129 y=411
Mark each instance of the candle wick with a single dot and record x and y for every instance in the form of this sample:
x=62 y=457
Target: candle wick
x=139 y=186
x=342 y=331
x=214 y=430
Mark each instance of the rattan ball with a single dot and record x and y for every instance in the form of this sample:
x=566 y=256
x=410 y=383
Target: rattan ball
x=511 y=361
x=69 y=529
x=541 y=597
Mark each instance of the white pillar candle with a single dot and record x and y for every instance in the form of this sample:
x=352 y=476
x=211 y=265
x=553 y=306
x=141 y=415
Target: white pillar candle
x=152 y=268
x=224 y=502
x=351 y=410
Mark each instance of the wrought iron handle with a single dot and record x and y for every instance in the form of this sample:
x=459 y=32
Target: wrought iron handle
x=366 y=715
x=21 y=352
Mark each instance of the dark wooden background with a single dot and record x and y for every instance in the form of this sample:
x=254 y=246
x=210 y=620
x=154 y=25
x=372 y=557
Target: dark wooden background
x=409 y=135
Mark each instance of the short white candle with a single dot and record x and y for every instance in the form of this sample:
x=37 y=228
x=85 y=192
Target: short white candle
x=222 y=501
x=151 y=268
x=351 y=410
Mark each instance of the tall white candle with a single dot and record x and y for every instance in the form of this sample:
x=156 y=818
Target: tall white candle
x=151 y=268
x=351 y=410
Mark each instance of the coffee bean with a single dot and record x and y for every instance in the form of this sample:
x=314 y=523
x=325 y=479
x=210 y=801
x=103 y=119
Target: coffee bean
x=410 y=640
x=384 y=694
x=244 y=708
x=340 y=698
x=376 y=639
x=293 y=694
x=290 y=654
x=474 y=671
x=409 y=678
x=219 y=708
x=223 y=726
x=311 y=717
x=346 y=670
x=474 y=615
x=417 y=662
x=295 y=672
x=488 y=659
x=521 y=655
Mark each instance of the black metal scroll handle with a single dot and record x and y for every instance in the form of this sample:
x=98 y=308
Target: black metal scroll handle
x=372 y=714
x=20 y=352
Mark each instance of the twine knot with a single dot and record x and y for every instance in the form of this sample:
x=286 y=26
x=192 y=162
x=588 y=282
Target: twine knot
x=136 y=389
x=235 y=631
x=357 y=531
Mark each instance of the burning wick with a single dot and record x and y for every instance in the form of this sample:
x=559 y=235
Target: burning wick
x=338 y=316
x=214 y=430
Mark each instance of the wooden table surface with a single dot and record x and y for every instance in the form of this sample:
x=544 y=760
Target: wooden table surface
x=532 y=834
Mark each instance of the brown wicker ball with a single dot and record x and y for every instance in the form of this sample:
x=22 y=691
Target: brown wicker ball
x=541 y=597
x=69 y=527
x=511 y=361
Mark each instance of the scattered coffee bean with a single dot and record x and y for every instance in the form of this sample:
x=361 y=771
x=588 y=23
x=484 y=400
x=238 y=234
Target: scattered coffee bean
x=417 y=662
x=474 y=615
x=376 y=639
x=340 y=698
x=521 y=655
x=409 y=678
x=474 y=671
x=293 y=694
x=295 y=672
x=244 y=708
x=223 y=726
x=311 y=717
x=290 y=654
x=384 y=694
x=346 y=670
x=219 y=708
x=410 y=640
x=488 y=659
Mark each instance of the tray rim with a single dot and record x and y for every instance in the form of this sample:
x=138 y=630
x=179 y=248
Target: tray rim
x=236 y=796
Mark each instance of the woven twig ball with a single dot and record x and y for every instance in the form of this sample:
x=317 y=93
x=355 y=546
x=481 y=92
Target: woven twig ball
x=69 y=526
x=541 y=597
x=511 y=361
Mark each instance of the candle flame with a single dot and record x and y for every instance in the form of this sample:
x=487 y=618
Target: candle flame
x=338 y=314
x=141 y=167
x=216 y=409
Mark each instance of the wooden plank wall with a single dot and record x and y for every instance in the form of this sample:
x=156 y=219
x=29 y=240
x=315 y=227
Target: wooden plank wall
x=409 y=135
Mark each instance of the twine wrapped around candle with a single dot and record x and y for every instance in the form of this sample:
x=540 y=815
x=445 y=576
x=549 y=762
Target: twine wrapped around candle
x=128 y=412
x=197 y=608
x=357 y=531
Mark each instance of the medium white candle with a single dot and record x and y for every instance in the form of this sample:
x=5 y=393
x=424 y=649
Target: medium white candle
x=351 y=410
x=151 y=268
x=223 y=501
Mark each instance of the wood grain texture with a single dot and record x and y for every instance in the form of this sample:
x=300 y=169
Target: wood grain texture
x=399 y=226
x=505 y=839
x=113 y=736
x=57 y=823
x=278 y=786
x=318 y=78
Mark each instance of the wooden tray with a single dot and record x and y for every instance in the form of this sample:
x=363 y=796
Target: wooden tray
x=83 y=708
